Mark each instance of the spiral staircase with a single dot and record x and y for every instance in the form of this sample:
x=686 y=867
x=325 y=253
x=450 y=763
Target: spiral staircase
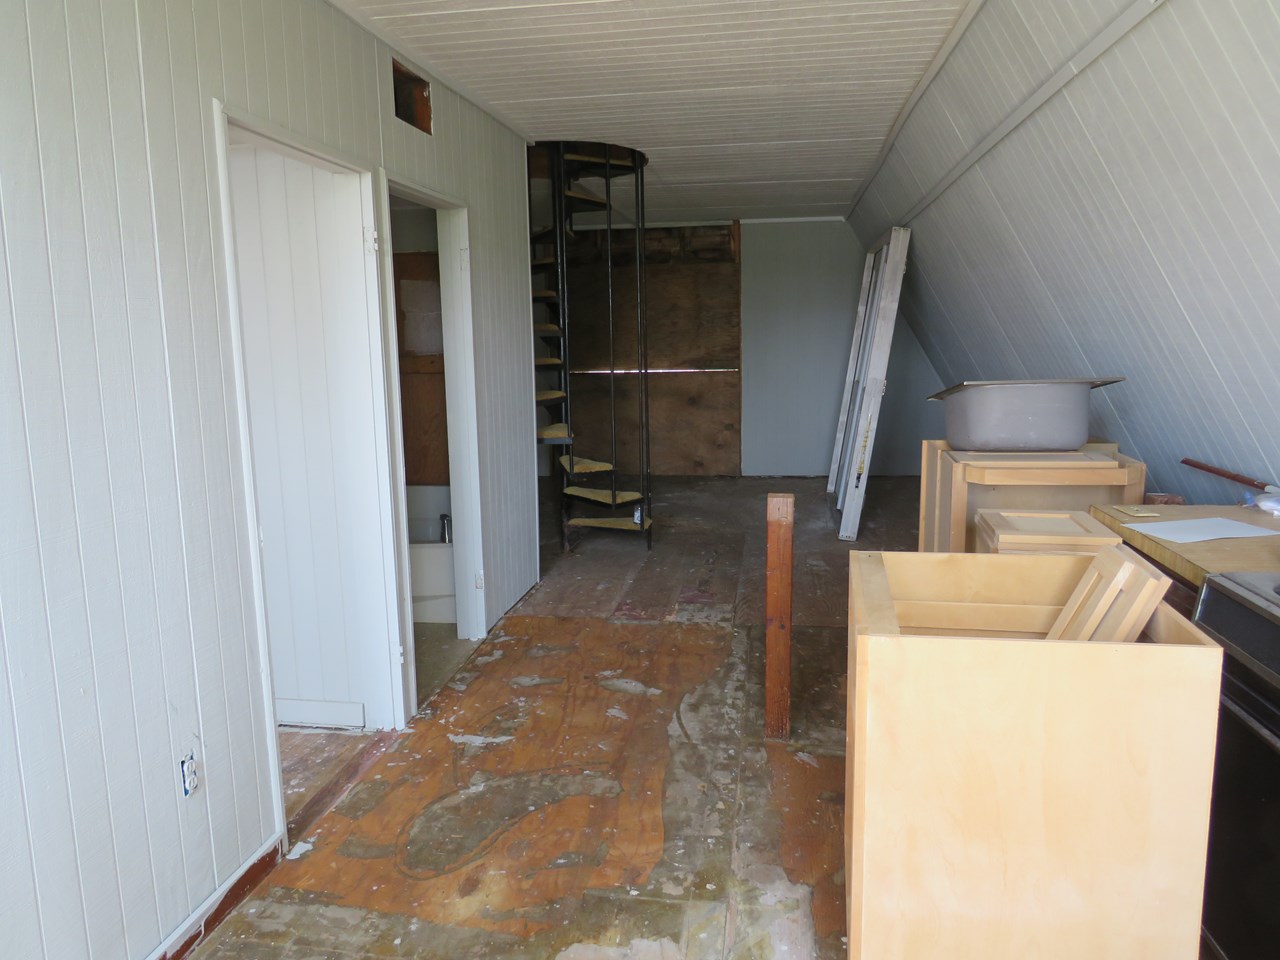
x=591 y=196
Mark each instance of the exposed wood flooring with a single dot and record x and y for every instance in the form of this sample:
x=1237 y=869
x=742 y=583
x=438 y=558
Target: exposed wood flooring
x=438 y=655
x=593 y=784
x=314 y=766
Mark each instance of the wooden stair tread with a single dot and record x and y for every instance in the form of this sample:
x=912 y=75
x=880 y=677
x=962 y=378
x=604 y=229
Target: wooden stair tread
x=548 y=235
x=586 y=196
x=554 y=431
x=603 y=496
x=548 y=330
x=546 y=361
x=542 y=262
x=611 y=523
x=545 y=295
x=549 y=396
x=582 y=465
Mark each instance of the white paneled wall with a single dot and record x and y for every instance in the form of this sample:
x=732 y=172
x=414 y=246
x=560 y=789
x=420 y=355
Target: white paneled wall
x=1130 y=225
x=126 y=607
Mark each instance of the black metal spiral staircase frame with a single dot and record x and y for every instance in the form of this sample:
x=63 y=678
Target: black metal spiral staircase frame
x=581 y=478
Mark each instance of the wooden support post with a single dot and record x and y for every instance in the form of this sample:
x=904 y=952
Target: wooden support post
x=780 y=517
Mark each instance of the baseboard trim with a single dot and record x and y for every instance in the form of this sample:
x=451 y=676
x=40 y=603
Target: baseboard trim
x=214 y=910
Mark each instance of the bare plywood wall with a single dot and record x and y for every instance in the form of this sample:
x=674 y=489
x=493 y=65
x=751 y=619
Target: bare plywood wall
x=694 y=335
x=422 y=395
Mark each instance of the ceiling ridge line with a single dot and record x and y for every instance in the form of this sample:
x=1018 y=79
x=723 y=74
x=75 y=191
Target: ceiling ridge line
x=1106 y=38
x=952 y=40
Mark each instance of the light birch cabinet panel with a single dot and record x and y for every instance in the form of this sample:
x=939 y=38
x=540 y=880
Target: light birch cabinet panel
x=1013 y=797
x=1040 y=531
x=956 y=484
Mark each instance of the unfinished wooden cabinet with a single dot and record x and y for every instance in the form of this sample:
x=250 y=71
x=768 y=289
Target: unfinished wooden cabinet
x=1040 y=531
x=955 y=484
x=1011 y=797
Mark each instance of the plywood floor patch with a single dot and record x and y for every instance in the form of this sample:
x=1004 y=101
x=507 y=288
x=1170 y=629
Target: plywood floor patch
x=536 y=797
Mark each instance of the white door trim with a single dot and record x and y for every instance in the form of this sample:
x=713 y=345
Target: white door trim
x=462 y=413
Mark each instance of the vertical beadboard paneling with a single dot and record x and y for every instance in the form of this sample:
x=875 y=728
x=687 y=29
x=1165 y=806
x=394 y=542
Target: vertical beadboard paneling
x=159 y=669
x=472 y=152
x=70 y=502
x=125 y=604
x=122 y=524
x=191 y=552
x=1131 y=225
x=42 y=835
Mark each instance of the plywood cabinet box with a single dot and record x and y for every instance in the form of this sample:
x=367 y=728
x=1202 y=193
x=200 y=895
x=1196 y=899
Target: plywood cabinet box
x=1011 y=797
x=955 y=484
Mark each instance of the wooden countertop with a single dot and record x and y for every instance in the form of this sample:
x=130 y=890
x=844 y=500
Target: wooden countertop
x=1192 y=562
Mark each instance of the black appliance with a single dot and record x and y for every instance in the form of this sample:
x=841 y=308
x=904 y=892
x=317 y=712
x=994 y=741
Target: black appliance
x=1242 y=883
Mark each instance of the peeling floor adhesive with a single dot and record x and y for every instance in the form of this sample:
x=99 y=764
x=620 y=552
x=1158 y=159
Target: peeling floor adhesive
x=633 y=687
x=475 y=740
x=299 y=850
x=535 y=681
x=663 y=949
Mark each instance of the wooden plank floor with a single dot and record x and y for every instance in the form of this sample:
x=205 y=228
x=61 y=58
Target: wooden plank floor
x=311 y=763
x=593 y=784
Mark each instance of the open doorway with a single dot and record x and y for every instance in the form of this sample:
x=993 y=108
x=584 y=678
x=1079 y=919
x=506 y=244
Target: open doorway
x=424 y=415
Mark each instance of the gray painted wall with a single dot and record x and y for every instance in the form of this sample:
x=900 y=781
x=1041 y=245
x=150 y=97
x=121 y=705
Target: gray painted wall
x=413 y=229
x=906 y=417
x=799 y=292
x=1130 y=225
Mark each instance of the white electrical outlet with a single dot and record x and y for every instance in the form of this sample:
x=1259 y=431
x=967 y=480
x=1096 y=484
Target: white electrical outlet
x=190 y=775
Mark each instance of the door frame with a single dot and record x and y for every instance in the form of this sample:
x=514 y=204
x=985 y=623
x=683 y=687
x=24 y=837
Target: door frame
x=461 y=412
x=223 y=117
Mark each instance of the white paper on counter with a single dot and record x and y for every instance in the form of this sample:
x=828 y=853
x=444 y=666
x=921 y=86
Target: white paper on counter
x=1205 y=528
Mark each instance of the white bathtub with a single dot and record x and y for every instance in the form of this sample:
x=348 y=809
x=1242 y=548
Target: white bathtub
x=431 y=572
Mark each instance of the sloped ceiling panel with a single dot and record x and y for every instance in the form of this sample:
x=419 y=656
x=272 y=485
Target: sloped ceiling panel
x=1131 y=225
x=746 y=108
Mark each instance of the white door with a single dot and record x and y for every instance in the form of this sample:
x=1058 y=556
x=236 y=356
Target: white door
x=312 y=372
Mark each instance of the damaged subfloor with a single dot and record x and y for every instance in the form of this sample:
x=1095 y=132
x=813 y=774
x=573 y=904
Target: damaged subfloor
x=593 y=784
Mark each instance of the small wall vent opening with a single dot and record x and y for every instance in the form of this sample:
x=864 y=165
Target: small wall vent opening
x=413 y=97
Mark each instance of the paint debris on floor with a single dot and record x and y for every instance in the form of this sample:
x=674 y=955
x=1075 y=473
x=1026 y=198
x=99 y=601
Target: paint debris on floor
x=597 y=787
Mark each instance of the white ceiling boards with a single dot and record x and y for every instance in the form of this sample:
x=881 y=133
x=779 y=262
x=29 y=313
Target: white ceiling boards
x=747 y=109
